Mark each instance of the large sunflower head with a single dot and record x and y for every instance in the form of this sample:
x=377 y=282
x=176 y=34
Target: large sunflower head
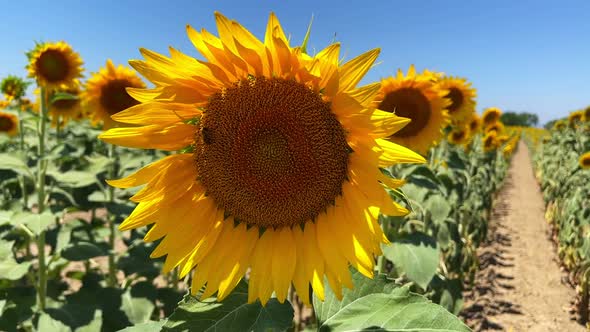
x=490 y=116
x=417 y=98
x=278 y=170
x=13 y=87
x=106 y=93
x=575 y=117
x=8 y=124
x=65 y=109
x=585 y=160
x=461 y=95
x=458 y=135
x=55 y=65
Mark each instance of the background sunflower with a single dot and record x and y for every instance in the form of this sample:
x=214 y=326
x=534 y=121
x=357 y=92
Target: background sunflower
x=418 y=98
x=8 y=123
x=55 y=65
x=106 y=93
x=461 y=96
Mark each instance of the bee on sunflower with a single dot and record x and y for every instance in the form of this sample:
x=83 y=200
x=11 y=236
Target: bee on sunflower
x=461 y=95
x=279 y=155
x=418 y=98
x=106 y=93
x=55 y=65
x=8 y=124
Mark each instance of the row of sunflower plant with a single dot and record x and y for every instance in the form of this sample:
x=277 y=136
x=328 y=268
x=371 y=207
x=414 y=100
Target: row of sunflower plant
x=562 y=160
x=269 y=182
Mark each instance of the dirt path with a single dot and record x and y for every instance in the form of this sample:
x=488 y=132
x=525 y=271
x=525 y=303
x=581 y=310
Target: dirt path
x=520 y=285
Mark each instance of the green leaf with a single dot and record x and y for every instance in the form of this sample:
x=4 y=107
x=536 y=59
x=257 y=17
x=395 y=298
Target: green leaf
x=14 y=163
x=150 y=326
x=233 y=314
x=416 y=255
x=361 y=286
x=9 y=268
x=63 y=96
x=46 y=323
x=439 y=208
x=73 y=179
x=137 y=309
x=5 y=217
x=393 y=312
x=82 y=251
x=38 y=223
x=94 y=325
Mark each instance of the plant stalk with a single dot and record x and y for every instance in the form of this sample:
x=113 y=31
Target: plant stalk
x=41 y=169
x=112 y=171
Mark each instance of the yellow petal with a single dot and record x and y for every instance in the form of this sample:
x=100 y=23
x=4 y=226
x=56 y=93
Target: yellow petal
x=354 y=70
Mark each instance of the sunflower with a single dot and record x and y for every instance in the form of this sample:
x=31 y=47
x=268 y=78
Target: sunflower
x=4 y=103
x=575 y=117
x=587 y=114
x=461 y=96
x=106 y=93
x=418 y=98
x=585 y=160
x=474 y=123
x=458 y=135
x=13 y=87
x=63 y=110
x=498 y=127
x=278 y=169
x=490 y=116
x=55 y=65
x=490 y=142
x=26 y=104
x=559 y=125
x=8 y=123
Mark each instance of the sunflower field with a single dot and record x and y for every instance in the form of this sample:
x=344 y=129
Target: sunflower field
x=256 y=188
x=562 y=160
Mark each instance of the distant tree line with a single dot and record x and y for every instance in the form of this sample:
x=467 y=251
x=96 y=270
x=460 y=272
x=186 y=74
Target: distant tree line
x=522 y=119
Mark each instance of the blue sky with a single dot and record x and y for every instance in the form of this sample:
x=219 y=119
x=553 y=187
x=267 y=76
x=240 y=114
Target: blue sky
x=520 y=55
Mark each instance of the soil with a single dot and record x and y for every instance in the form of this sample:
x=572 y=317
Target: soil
x=520 y=286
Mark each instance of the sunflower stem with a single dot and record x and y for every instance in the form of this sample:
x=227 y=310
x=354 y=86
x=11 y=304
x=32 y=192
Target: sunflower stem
x=21 y=178
x=41 y=169
x=112 y=277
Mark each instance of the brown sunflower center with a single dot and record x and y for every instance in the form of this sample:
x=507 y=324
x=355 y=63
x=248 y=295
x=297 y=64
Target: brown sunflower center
x=456 y=97
x=53 y=66
x=114 y=98
x=488 y=142
x=586 y=161
x=271 y=152
x=6 y=124
x=473 y=125
x=408 y=103
x=458 y=135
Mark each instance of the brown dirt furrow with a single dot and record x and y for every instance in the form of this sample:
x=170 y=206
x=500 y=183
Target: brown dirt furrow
x=519 y=286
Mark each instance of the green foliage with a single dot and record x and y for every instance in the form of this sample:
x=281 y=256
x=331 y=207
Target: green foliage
x=233 y=314
x=567 y=196
x=522 y=119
